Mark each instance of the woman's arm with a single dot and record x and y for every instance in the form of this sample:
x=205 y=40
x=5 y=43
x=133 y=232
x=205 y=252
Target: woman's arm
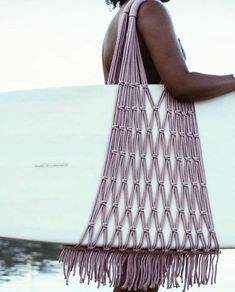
x=156 y=28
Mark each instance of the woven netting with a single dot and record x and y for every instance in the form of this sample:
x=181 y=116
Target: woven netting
x=152 y=209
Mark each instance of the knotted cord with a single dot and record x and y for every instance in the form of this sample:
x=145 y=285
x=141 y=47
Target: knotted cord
x=153 y=180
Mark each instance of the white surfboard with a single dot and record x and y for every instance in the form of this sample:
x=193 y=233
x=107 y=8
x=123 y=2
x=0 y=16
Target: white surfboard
x=52 y=151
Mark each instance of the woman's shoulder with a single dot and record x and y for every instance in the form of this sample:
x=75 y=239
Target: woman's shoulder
x=152 y=13
x=152 y=7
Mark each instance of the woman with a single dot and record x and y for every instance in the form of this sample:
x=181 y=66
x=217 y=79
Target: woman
x=162 y=55
x=164 y=61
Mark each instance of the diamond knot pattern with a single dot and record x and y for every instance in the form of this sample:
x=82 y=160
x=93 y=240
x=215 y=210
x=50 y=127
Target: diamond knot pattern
x=160 y=183
x=152 y=194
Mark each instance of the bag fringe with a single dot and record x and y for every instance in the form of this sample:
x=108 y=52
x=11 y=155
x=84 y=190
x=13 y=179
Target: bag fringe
x=144 y=269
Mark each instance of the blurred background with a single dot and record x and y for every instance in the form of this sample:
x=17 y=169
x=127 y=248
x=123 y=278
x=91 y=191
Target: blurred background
x=55 y=43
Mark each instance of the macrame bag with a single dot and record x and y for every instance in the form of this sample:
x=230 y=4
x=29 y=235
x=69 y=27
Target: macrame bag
x=153 y=188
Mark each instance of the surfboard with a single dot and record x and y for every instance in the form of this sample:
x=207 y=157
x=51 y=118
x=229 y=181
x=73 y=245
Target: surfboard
x=52 y=153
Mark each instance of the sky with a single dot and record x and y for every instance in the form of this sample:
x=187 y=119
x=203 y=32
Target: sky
x=55 y=43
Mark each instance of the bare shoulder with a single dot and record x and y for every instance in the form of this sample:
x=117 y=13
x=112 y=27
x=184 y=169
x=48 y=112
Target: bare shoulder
x=152 y=12
x=149 y=5
x=157 y=30
x=155 y=25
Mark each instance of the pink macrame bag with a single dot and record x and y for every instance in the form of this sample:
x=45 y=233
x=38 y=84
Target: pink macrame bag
x=154 y=181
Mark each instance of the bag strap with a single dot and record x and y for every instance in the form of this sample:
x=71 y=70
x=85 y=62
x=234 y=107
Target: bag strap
x=127 y=64
x=135 y=7
x=118 y=50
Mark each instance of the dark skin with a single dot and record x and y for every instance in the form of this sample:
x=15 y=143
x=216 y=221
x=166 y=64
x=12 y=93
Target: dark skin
x=162 y=56
x=163 y=60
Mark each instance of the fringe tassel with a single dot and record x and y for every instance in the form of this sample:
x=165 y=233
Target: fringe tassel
x=144 y=269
